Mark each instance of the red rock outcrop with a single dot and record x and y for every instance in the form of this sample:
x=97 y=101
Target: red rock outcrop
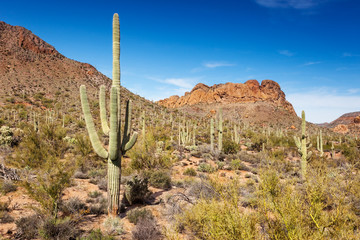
x=248 y=92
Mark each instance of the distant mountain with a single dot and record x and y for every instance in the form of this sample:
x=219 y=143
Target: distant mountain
x=249 y=101
x=346 y=123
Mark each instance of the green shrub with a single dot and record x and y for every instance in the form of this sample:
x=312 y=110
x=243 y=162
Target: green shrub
x=204 y=167
x=59 y=229
x=190 y=172
x=7 y=186
x=236 y=164
x=28 y=227
x=94 y=194
x=160 y=179
x=97 y=235
x=136 y=214
x=230 y=147
x=49 y=185
x=136 y=190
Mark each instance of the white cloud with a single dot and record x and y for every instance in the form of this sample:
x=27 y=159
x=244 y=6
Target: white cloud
x=286 y=53
x=311 y=63
x=170 y=86
x=296 y=4
x=321 y=106
x=218 y=64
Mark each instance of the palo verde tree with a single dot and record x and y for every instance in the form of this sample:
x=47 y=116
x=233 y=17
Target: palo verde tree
x=118 y=145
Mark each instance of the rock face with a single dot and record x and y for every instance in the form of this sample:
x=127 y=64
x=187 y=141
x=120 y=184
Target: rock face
x=248 y=92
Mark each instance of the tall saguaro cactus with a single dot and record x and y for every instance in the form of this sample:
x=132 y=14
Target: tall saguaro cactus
x=303 y=144
x=212 y=134
x=220 y=130
x=117 y=145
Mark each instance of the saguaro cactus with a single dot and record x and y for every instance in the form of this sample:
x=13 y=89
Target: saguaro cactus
x=303 y=144
x=117 y=145
x=320 y=144
x=220 y=130
x=212 y=134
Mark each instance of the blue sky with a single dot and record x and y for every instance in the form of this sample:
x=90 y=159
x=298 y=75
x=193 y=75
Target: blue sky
x=310 y=47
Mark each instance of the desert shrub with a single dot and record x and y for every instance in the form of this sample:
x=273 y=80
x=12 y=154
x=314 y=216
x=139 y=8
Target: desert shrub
x=113 y=226
x=37 y=147
x=94 y=194
x=49 y=185
x=204 y=167
x=5 y=217
x=96 y=235
x=278 y=154
x=313 y=210
x=220 y=217
x=230 y=147
x=27 y=227
x=236 y=164
x=7 y=186
x=201 y=189
x=146 y=229
x=136 y=214
x=351 y=153
x=145 y=155
x=160 y=179
x=102 y=184
x=136 y=190
x=61 y=229
x=98 y=206
x=220 y=165
x=190 y=172
x=83 y=145
x=72 y=206
x=80 y=175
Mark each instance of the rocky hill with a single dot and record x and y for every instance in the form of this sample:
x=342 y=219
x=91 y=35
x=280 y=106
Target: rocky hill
x=346 y=123
x=247 y=101
x=31 y=69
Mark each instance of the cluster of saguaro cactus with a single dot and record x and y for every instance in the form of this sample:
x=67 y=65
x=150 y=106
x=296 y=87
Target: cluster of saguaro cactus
x=319 y=144
x=303 y=144
x=185 y=135
x=117 y=145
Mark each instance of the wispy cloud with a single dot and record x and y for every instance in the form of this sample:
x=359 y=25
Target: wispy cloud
x=347 y=54
x=295 y=4
x=353 y=90
x=286 y=53
x=311 y=63
x=217 y=64
x=324 y=105
x=185 y=84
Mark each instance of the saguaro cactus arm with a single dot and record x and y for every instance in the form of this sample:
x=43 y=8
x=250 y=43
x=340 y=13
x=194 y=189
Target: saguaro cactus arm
x=94 y=138
x=103 y=117
x=127 y=141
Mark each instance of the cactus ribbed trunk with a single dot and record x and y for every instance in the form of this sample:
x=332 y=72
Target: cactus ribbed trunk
x=114 y=178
